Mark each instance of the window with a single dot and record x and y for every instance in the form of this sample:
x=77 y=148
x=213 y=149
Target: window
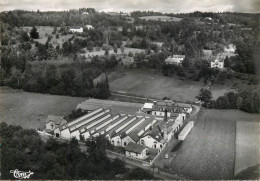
x=161 y=146
x=124 y=143
x=154 y=146
x=57 y=135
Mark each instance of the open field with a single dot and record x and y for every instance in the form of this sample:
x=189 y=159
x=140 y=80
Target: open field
x=208 y=152
x=161 y=18
x=151 y=83
x=210 y=148
x=247 y=145
x=30 y=110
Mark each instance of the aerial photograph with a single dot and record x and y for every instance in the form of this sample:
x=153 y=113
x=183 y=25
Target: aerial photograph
x=130 y=90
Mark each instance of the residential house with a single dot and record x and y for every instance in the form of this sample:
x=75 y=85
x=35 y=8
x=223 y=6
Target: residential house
x=76 y=30
x=217 y=64
x=230 y=49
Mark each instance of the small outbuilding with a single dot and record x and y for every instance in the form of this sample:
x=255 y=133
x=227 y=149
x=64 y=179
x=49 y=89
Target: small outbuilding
x=186 y=130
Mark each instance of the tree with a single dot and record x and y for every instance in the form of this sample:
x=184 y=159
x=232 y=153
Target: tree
x=25 y=37
x=122 y=48
x=115 y=48
x=205 y=95
x=34 y=34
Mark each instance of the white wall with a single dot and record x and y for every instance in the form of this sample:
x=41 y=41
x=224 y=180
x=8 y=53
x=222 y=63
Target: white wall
x=151 y=142
x=65 y=133
x=116 y=141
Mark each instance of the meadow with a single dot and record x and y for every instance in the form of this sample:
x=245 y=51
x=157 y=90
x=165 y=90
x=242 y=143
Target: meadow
x=45 y=31
x=30 y=110
x=152 y=84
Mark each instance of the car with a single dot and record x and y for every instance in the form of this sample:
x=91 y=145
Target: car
x=166 y=156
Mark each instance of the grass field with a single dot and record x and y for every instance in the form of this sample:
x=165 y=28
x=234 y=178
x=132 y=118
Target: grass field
x=247 y=145
x=30 y=110
x=151 y=83
x=45 y=31
x=208 y=152
x=161 y=18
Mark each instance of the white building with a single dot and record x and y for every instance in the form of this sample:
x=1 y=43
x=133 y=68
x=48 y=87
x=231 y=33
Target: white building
x=76 y=30
x=175 y=59
x=53 y=122
x=186 y=130
x=136 y=151
x=217 y=64
x=230 y=49
x=89 y=27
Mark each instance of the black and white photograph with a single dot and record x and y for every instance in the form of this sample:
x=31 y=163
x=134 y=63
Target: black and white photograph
x=129 y=90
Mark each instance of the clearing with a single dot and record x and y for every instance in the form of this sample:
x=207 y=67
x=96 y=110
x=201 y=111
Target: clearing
x=30 y=110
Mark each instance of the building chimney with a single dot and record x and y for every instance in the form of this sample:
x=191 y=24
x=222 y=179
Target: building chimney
x=165 y=125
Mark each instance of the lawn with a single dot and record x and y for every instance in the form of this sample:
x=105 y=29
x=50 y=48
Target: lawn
x=30 y=110
x=247 y=146
x=208 y=152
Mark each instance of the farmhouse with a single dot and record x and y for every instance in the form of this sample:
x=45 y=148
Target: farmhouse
x=230 y=49
x=76 y=30
x=137 y=151
x=53 y=122
x=217 y=64
x=175 y=59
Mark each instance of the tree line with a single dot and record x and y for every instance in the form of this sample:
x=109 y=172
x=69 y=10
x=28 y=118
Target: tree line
x=246 y=100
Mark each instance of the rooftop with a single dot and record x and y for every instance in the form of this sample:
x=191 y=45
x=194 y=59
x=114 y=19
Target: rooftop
x=133 y=147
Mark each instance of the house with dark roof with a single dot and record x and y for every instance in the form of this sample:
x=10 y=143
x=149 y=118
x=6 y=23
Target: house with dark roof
x=136 y=151
x=135 y=134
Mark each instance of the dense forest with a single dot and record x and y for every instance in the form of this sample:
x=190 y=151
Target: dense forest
x=24 y=150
